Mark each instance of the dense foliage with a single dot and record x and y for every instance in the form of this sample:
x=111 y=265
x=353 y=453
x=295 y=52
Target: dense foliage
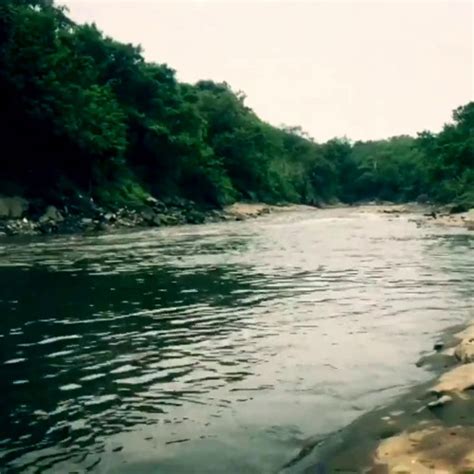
x=82 y=113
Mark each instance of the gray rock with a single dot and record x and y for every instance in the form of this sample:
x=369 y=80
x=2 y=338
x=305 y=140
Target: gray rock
x=110 y=217
x=194 y=217
x=13 y=207
x=51 y=215
x=150 y=200
x=160 y=206
x=465 y=350
x=438 y=346
x=148 y=215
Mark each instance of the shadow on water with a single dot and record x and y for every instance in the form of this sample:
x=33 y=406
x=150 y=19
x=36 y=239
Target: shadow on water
x=94 y=346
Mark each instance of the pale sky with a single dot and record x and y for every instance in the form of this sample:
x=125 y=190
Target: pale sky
x=355 y=68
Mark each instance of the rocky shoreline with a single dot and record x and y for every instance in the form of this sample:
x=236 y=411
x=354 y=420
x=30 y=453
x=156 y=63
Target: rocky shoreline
x=21 y=217
x=428 y=430
x=443 y=441
x=447 y=216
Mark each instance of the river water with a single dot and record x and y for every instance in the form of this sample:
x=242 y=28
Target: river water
x=216 y=348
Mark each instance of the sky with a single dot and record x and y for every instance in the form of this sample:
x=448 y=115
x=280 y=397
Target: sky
x=365 y=70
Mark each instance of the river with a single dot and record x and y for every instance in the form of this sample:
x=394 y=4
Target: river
x=216 y=348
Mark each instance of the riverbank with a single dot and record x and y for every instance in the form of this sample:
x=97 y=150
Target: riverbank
x=429 y=429
x=447 y=215
x=19 y=216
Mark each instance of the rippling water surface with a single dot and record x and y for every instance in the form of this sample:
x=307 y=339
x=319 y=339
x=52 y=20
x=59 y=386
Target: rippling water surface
x=216 y=348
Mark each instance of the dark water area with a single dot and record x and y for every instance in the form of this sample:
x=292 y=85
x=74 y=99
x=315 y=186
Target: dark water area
x=216 y=348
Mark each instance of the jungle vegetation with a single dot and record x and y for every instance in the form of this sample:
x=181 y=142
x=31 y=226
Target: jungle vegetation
x=83 y=113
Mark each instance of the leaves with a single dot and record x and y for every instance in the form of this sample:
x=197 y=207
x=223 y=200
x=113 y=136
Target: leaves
x=82 y=108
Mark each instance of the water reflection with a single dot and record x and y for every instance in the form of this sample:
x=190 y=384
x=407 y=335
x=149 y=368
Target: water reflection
x=157 y=349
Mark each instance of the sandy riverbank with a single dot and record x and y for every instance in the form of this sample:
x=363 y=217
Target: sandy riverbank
x=464 y=219
x=243 y=210
x=426 y=214
x=419 y=213
x=21 y=217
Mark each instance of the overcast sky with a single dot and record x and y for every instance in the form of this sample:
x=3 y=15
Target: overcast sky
x=355 y=68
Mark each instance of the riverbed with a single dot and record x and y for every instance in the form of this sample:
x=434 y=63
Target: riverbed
x=220 y=347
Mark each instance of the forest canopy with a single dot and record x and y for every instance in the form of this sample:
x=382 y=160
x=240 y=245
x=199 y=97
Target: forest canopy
x=83 y=113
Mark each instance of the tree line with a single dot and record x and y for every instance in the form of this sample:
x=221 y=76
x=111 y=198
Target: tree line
x=83 y=113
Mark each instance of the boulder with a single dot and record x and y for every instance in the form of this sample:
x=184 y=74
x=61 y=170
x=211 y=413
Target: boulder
x=110 y=217
x=51 y=215
x=464 y=351
x=148 y=215
x=457 y=380
x=194 y=217
x=13 y=207
x=157 y=221
x=467 y=333
x=151 y=201
x=434 y=449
